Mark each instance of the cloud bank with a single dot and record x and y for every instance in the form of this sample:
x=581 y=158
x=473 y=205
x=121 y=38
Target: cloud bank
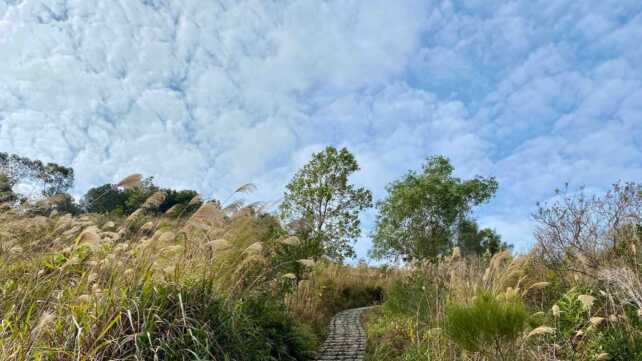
x=209 y=94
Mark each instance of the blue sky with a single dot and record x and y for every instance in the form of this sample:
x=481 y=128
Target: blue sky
x=209 y=95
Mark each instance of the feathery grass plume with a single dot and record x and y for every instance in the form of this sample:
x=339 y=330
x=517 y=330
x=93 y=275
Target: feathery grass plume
x=174 y=210
x=541 y=330
x=109 y=226
x=256 y=206
x=495 y=263
x=596 y=321
x=89 y=236
x=536 y=286
x=172 y=249
x=603 y=356
x=556 y=311
x=167 y=236
x=155 y=200
x=290 y=276
x=456 y=254
x=208 y=213
x=43 y=322
x=148 y=227
x=246 y=188
x=195 y=201
x=291 y=241
x=586 y=300
x=219 y=244
x=136 y=215
x=254 y=248
x=307 y=262
x=131 y=181
x=234 y=206
x=84 y=298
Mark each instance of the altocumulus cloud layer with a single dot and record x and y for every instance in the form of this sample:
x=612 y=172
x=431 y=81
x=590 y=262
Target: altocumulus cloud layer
x=210 y=94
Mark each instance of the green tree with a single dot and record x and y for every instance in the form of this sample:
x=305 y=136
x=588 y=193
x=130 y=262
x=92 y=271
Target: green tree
x=474 y=241
x=104 y=199
x=422 y=212
x=323 y=207
x=51 y=177
x=109 y=198
x=6 y=193
x=56 y=179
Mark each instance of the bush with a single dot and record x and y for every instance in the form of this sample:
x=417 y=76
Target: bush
x=490 y=324
x=192 y=320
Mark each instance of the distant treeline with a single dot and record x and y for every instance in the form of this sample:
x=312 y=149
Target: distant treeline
x=52 y=182
x=425 y=215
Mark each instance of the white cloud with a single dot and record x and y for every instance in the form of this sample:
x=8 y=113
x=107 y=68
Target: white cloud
x=213 y=94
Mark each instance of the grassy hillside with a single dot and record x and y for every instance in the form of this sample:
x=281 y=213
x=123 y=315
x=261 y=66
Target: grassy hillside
x=576 y=296
x=206 y=285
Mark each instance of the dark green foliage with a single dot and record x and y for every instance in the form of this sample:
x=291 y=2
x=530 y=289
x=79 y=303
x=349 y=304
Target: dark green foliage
x=111 y=199
x=104 y=199
x=173 y=197
x=490 y=324
x=572 y=315
x=322 y=207
x=412 y=295
x=190 y=322
x=422 y=212
x=621 y=340
x=6 y=193
x=277 y=336
x=473 y=241
x=51 y=177
x=622 y=344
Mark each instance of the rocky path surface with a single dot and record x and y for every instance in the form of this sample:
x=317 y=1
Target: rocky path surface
x=346 y=337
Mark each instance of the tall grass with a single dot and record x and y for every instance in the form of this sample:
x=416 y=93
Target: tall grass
x=570 y=298
x=210 y=283
x=154 y=288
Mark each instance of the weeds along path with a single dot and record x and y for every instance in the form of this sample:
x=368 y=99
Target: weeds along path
x=346 y=337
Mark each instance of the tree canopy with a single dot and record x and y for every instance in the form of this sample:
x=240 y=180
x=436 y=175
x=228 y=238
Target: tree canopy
x=111 y=199
x=472 y=240
x=323 y=207
x=51 y=178
x=423 y=212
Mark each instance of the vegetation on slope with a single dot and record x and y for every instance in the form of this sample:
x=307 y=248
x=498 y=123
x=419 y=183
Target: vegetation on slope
x=576 y=296
x=136 y=272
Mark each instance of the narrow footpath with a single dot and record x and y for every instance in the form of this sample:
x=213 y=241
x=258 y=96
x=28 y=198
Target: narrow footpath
x=346 y=337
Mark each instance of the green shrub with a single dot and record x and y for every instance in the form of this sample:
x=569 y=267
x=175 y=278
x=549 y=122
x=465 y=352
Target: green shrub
x=623 y=342
x=412 y=295
x=490 y=324
x=191 y=322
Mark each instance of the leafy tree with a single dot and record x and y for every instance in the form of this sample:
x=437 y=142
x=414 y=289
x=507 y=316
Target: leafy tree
x=6 y=193
x=56 y=179
x=473 y=241
x=323 y=207
x=173 y=197
x=421 y=215
x=104 y=199
x=52 y=178
x=110 y=199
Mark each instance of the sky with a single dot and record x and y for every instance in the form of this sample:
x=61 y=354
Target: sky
x=212 y=94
